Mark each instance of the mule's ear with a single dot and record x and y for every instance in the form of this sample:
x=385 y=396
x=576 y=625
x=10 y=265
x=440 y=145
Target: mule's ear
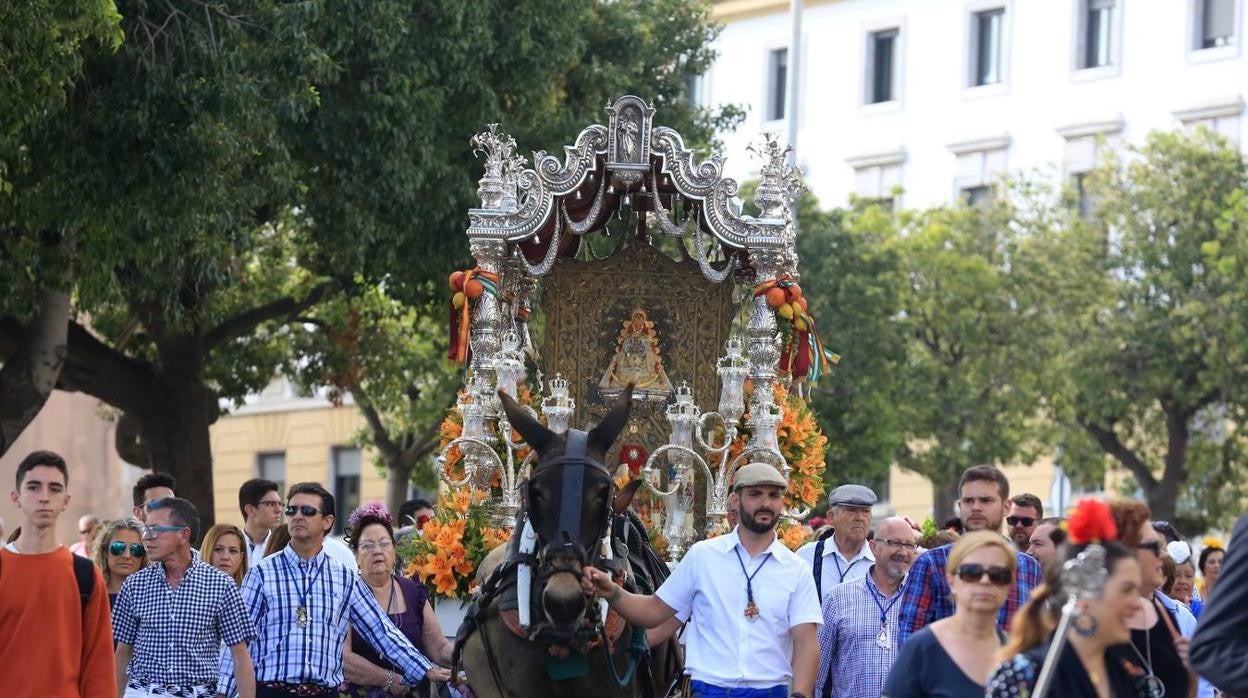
x=535 y=435
x=602 y=436
x=624 y=498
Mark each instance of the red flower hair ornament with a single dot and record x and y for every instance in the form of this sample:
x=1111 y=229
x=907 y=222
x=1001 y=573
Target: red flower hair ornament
x=1091 y=522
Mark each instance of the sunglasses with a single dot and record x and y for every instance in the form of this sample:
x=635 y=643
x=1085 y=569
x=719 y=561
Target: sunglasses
x=118 y=548
x=1153 y=546
x=154 y=531
x=1024 y=521
x=306 y=510
x=969 y=573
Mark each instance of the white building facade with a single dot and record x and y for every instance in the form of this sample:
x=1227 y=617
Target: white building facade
x=941 y=98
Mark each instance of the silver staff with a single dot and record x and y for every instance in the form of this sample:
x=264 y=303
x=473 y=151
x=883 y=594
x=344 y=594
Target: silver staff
x=1083 y=578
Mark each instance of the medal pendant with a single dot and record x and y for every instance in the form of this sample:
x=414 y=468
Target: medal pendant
x=301 y=616
x=882 y=640
x=1154 y=687
x=751 y=611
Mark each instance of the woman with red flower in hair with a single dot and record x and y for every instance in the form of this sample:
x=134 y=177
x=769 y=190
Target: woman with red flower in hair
x=1094 y=661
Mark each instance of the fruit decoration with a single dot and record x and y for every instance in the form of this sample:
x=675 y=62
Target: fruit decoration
x=467 y=285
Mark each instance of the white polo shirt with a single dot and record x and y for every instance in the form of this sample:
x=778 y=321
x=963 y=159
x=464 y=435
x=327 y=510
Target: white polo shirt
x=723 y=647
x=836 y=568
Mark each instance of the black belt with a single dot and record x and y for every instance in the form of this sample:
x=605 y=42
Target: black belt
x=298 y=689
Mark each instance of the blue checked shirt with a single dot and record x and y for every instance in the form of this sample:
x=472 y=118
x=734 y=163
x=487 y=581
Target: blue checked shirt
x=335 y=598
x=851 y=664
x=177 y=633
x=926 y=596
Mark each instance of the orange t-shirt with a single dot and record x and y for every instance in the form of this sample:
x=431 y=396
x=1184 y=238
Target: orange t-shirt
x=50 y=646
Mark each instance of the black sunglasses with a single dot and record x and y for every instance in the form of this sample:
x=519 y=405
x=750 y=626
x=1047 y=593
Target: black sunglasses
x=118 y=548
x=1024 y=521
x=1153 y=546
x=971 y=572
x=306 y=510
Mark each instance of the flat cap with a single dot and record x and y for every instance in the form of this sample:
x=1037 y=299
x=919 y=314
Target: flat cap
x=754 y=474
x=852 y=495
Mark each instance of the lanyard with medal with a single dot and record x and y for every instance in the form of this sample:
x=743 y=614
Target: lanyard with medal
x=301 y=613
x=751 y=608
x=883 y=640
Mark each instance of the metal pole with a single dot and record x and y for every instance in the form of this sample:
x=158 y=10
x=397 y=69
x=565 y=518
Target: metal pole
x=794 y=72
x=1055 y=650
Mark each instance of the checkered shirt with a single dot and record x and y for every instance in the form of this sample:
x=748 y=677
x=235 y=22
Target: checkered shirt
x=851 y=664
x=926 y=596
x=336 y=597
x=177 y=633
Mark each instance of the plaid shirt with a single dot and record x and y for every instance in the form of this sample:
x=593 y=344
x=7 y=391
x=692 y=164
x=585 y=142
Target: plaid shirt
x=335 y=598
x=177 y=633
x=926 y=596
x=851 y=664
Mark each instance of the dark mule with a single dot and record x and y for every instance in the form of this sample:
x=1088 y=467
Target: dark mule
x=570 y=500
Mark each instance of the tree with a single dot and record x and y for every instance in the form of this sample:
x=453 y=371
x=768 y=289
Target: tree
x=232 y=167
x=41 y=43
x=851 y=275
x=966 y=388
x=1150 y=322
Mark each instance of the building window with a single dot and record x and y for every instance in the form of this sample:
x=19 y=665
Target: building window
x=1082 y=198
x=988 y=27
x=272 y=466
x=877 y=178
x=1098 y=33
x=1216 y=22
x=778 y=75
x=882 y=64
x=346 y=472
x=693 y=90
x=977 y=195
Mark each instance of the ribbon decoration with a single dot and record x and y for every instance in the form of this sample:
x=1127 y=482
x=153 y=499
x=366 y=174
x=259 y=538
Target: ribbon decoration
x=461 y=318
x=805 y=355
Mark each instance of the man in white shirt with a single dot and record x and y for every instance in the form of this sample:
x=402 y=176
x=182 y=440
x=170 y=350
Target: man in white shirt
x=842 y=555
x=753 y=599
x=261 y=505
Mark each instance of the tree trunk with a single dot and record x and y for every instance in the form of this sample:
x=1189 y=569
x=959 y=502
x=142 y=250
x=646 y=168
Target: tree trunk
x=943 y=498
x=398 y=474
x=30 y=373
x=177 y=442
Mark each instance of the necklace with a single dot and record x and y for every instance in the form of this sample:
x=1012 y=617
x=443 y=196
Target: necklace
x=751 y=608
x=882 y=640
x=1152 y=684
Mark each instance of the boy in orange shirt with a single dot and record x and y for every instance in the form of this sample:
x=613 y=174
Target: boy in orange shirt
x=59 y=643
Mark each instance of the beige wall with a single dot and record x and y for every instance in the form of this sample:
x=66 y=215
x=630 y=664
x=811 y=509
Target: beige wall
x=306 y=431
x=72 y=425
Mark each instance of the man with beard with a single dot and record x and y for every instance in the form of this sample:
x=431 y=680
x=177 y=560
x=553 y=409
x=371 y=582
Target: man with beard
x=984 y=491
x=1025 y=511
x=858 y=640
x=846 y=556
x=753 y=599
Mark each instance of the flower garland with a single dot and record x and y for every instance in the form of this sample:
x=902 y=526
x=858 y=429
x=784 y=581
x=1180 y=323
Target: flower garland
x=803 y=446
x=452 y=428
x=451 y=545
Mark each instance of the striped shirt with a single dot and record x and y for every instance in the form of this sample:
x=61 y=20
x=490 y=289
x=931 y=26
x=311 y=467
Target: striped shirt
x=177 y=633
x=926 y=597
x=334 y=597
x=852 y=664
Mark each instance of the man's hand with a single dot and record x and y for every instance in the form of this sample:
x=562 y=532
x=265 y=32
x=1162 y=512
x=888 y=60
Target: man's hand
x=598 y=583
x=438 y=673
x=1184 y=647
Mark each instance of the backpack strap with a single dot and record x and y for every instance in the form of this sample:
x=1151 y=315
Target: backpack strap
x=817 y=566
x=84 y=572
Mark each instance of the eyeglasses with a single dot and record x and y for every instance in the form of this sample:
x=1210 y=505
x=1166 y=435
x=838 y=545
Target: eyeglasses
x=118 y=548
x=1000 y=576
x=900 y=544
x=275 y=503
x=1153 y=546
x=383 y=545
x=1024 y=521
x=306 y=510
x=153 y=531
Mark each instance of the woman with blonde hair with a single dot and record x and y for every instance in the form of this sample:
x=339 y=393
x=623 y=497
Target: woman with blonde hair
x=118 y=551
x=954 y=656
x=224 y=549
x=1094 y=662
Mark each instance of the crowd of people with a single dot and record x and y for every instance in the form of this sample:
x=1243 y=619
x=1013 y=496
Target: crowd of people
x=275 y=607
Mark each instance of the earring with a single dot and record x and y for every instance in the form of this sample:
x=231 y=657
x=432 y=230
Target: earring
x=1085 y=624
